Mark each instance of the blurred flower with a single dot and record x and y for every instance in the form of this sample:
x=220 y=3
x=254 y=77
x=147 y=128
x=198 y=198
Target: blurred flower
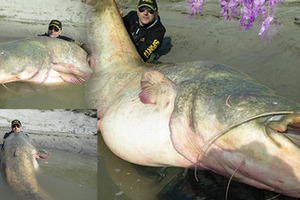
x=195 y=6
x=265 y=25
x=249 y=11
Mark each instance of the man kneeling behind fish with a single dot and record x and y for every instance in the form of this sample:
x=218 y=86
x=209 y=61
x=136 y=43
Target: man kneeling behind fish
x=55 y=31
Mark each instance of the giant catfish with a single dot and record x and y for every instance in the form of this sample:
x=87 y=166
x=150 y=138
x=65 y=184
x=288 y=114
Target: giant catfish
x=19 y=164
x=201 y=115
x=43 y=60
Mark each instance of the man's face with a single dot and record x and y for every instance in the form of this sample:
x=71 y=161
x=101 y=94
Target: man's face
x=145 y=15
x=54 y=31
x=16 y=128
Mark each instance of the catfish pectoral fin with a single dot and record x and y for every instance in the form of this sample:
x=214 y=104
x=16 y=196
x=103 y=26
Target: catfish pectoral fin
x=69 y=78
x=43 y=154
x=70 y=68
x=156 y=89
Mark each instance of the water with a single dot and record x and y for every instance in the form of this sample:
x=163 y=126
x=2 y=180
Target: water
x=63 y=176
x=34 y=96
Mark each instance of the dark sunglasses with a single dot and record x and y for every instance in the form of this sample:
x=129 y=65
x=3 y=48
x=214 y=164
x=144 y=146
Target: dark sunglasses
x=53 y=27
x=142 y=9
x=16 y=125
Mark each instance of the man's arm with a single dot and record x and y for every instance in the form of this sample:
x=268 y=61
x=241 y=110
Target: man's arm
x=4 y=137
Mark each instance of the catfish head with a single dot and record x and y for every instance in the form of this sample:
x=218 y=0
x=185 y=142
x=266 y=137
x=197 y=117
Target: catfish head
x=263 y=152
x=241 y=130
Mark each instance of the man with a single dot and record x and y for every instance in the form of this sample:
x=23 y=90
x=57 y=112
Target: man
x=16 y=127
x=145 y=28
x=55 y=31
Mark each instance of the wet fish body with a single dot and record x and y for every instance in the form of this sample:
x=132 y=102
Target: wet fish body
x=201 y=114
x=19 y=166
x=43 y=60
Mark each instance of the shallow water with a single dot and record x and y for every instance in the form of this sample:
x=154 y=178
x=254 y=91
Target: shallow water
x=34 y=96
x=63 y=176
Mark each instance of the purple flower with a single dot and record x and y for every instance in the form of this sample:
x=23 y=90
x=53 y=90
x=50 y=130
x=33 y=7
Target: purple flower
x=195 y=6
x=249 y=11
x=228 y=8
x=265 y=25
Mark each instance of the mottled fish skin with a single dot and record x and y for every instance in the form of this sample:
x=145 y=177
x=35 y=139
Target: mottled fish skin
x=19 y=166
x=43 y=60
x=202 y=115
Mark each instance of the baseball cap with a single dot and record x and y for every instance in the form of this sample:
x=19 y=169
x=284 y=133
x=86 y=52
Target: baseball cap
x=16 y=122
x=56 y=23
x=148 y=3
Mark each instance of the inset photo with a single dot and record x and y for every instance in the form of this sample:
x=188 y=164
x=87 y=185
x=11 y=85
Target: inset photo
x=44 y=54
x=48 y=154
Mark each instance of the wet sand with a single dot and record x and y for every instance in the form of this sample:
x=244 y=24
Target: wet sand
x=22 y=19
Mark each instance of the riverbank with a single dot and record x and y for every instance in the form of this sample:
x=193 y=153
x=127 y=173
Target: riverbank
x=71 y=131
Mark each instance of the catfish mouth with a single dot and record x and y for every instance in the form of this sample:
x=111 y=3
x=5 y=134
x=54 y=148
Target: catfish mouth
x=289 y=125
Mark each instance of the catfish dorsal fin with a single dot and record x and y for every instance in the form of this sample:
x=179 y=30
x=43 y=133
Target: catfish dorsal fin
x=157 y=89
